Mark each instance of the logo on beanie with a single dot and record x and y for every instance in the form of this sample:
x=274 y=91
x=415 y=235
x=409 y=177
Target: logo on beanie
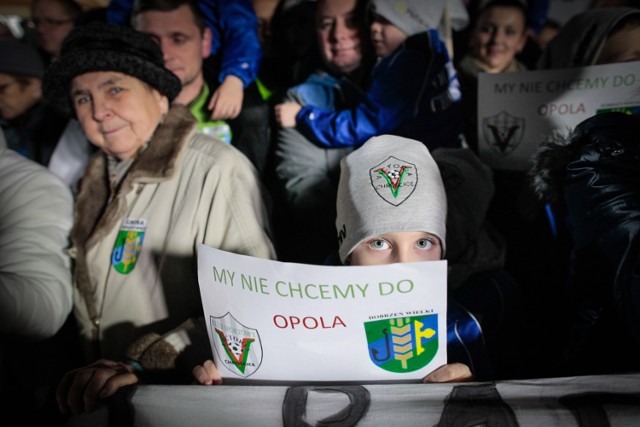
x=394 y=180
x=403 y=344
x=503 y=132
x=237 y=346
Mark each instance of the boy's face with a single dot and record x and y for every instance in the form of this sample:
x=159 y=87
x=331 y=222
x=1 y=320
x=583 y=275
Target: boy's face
x=498 y=36
x=402 y=246
x=385 y=36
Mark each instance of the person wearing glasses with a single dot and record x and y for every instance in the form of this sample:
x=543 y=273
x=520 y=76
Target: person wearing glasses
x=53 y=20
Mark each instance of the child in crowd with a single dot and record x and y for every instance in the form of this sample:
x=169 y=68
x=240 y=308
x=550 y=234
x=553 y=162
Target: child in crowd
x=392 y=208
x=498 y=34
x=604 y=35
x=414 y=90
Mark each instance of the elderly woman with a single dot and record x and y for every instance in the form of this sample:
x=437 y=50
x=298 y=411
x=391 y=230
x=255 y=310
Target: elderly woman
x=156 y=190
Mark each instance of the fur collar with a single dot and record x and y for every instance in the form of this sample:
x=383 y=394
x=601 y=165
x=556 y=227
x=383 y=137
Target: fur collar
x=95 y=215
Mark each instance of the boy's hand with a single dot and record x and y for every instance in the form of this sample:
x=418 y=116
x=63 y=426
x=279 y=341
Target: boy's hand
x=207 y=374
x=286 y=114
x=450 y=373
x=226 y=101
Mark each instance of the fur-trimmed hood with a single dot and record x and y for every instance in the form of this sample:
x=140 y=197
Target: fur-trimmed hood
x=595 y=171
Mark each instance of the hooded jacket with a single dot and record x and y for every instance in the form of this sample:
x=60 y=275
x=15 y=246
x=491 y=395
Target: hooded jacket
x=596 y=172
x=581 y=39
x=135 y=248
x=414 y=93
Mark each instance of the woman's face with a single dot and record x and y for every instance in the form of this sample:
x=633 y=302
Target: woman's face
x=118 y=112
x=498 y=36
x=402 y=246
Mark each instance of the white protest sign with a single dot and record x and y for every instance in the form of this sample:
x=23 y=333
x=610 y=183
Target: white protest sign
x=517 y=111
x=286 y=322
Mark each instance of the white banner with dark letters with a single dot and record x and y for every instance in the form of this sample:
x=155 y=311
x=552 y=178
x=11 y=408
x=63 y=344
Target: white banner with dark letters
x=271 y=321
x=607 y=400
x=516 y=111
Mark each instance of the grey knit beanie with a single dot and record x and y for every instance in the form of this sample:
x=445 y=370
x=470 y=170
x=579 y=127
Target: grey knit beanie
x=101 y=47
x=390 y=184
x=20 y=59
x=411 y=16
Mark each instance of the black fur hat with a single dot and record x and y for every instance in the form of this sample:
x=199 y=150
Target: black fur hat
x=101 y=47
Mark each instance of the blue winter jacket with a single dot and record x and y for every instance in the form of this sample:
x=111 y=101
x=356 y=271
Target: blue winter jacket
x=414 y=93
x=235 y=32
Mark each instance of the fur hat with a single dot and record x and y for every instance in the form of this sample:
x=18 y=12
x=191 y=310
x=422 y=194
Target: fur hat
x=101 y=47
x=411 y=16
x=20 y=59
x=390 y=184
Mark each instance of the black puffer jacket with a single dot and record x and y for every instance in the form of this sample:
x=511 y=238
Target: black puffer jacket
x=596 y=172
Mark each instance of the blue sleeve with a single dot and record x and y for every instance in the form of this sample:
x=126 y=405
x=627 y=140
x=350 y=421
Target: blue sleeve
x=118 y=12
x=391 y=100
x=235 y=33
x=234 y=26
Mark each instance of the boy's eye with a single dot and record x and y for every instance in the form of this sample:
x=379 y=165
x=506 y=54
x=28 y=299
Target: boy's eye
x=423 y=244
x=379 y=244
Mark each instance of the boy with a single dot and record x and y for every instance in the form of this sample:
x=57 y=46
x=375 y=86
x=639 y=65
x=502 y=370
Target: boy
x=414 y=91
x=392 y=207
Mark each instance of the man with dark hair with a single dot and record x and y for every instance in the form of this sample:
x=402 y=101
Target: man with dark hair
x=210 y=46
x=178 y=27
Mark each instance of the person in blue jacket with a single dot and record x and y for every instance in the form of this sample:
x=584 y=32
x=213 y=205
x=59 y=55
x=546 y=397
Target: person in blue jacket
x=414 y=90
x=235 y=37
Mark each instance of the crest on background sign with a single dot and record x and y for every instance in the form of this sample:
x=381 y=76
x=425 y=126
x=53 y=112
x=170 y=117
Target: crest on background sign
x=403 y=344
x=394 y=180
x=503 y=132
x=237 y=346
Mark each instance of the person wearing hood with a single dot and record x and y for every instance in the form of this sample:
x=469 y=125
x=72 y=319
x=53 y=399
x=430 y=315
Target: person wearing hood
x=603 y=35
x=414 y=90
x=593 y=173
x=155 y=190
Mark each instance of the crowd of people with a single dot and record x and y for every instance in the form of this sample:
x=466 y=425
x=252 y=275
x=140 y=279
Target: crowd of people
x=132 y=133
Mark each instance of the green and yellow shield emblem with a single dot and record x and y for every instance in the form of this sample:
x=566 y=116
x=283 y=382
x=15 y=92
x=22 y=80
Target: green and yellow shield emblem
x=403 y=344
x=128 y=245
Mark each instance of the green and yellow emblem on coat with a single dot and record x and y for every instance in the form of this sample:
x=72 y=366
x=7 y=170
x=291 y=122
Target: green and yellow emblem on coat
x=128 y=245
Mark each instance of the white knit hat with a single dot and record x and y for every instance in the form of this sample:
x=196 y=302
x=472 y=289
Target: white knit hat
x=390 y=184
x=411 y=16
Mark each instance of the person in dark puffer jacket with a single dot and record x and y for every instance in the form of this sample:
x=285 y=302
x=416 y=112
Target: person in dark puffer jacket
x=594 y=173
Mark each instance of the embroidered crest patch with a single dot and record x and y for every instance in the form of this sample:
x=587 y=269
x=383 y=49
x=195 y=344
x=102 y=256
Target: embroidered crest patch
x=237 y=346
x=394 y=180
x=128 y=244
x=403 y=344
